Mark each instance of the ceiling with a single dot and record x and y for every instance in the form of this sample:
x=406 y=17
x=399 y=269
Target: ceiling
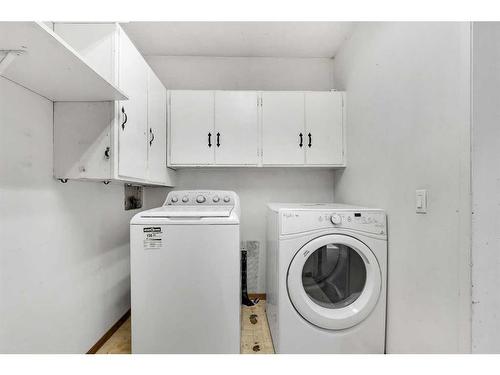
x=239 y=39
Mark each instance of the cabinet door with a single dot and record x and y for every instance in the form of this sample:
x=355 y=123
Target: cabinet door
x=157 y=132
x=283 y=128
x=133 y=80
x=236 y=127
x=324 y=128
x=191 y=138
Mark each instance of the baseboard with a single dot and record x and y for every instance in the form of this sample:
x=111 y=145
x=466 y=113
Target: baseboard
x=257 y=295
x=109 y=333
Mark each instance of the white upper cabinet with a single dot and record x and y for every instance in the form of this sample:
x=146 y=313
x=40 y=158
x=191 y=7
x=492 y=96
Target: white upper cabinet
x=283 y=137
x=214 y=128
x=324 y=133
x=236 y=128
x=251 y=128
x=192 y=138
x=112 y=140
x=133 y=79
x=157 y=132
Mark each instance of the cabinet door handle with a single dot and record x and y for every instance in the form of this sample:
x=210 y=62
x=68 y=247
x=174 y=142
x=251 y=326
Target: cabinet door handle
x=107 y=153
x=310 y=140
x=209 y=139
x=218 y=139
x=152 y=137
x=125 y=119
x=301 y=140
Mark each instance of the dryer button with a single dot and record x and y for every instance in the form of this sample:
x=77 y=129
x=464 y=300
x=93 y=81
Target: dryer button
x=336 y=219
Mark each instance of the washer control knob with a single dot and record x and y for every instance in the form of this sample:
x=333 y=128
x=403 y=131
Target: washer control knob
x=226 y=199
x=200 y=199
x=185 y=199
x=174 y=199
x=216 y=199
x=336 y=219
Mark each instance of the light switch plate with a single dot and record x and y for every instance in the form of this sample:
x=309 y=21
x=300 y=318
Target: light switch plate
x=421 y=201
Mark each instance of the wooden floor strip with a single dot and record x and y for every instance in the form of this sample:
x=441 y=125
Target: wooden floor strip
x=94 y=349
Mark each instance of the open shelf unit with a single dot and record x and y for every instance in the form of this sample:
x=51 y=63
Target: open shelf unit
x=32 y=55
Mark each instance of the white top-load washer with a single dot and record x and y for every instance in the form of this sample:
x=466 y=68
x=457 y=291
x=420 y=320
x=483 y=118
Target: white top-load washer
x=185 y=274
x=326 y=278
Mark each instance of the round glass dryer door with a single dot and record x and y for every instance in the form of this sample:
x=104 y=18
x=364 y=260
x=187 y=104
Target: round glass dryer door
x=334 y=281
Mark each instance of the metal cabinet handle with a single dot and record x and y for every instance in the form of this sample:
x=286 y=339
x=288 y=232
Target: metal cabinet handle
x=301 y=140
x=152 y=137
x=218 y=139
x=310 y=140
x=209 y=139
x=107 y=153
x=126 y=118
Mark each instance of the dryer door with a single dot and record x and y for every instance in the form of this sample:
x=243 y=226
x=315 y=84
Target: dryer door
x=334 y=281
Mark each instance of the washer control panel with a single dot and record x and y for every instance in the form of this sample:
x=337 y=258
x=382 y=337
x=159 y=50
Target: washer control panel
x=298 y=221
x=200 y=198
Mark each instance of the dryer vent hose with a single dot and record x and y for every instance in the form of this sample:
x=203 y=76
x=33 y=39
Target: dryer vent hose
x=245 y=300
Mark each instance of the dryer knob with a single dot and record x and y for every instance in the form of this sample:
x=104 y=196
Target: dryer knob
x=216 y=199
x=185 y=198
x=200 y=199
x=174 y=199
x=226 y=199
x=336 y=219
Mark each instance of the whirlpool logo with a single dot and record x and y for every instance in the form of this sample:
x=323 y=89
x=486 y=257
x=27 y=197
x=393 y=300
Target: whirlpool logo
x=152 y=230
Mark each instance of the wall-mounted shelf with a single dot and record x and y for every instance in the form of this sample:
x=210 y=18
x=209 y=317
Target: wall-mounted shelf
x=42 y=62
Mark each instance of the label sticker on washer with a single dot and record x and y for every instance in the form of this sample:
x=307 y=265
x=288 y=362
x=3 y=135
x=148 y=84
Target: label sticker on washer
x=153 y=238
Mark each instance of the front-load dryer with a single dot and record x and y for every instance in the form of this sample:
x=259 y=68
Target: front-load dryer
x=326 y=278
x=185 y=274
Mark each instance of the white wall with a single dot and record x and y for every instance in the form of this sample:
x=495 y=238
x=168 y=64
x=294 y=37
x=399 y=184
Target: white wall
x=64 y=255
x=243 y=73
x=486 y=189
x=255 y=186
x=408 y=109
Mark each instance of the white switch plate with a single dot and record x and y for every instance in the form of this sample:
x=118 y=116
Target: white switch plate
x=421 y=201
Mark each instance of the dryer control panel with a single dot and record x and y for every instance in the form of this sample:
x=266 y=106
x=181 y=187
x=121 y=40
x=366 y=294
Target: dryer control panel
x=299 y=221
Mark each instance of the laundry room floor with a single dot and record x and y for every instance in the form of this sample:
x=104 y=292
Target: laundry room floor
x=255 y=334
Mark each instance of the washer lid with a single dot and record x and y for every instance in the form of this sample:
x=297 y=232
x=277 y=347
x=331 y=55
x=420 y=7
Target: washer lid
x=188 y=211
x=334 y=281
